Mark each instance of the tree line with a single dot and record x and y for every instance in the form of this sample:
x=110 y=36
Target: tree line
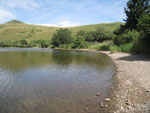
x=25 y=44
x=63 y=38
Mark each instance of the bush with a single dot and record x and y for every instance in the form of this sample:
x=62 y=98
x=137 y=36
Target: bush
x=127 y=37
x=97 y=36
x=104 y=48
x=32 y=43
x=45 y=44
x=23 y=42
x=122 y=48
x=126 y=47
x=39 y=43
x=20 y=43
x=79 y=42
x=142 y=45
x=6 y=44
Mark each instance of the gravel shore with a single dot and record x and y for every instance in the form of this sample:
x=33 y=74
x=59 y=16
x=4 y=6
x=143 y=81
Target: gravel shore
x=132 y=84
x=131 y=92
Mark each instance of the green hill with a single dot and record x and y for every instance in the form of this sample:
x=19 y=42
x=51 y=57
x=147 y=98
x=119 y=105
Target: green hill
x=17 y=30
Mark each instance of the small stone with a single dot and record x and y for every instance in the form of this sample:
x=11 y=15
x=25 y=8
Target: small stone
x=107 y=100
x=145 y=102
x=101 y=105
x=148 y=91
x=106 y=105
x=86 y=109
x=127 y=103
x=97 y=94
x=129 y=107
x=121 y=107
x=117 y=96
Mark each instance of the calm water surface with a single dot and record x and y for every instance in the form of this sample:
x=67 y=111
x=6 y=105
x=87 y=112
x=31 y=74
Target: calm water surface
x=53 y=81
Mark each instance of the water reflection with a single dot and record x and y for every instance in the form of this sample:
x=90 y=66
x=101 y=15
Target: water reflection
x=53 y=81
x=19 y=60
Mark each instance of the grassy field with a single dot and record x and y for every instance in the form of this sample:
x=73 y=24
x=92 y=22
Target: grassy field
x=16 y=30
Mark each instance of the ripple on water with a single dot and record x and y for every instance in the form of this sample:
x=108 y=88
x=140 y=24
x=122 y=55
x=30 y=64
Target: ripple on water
x=57 y=81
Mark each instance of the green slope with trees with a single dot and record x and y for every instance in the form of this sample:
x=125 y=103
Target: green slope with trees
x=16 y=30
x=131 y=36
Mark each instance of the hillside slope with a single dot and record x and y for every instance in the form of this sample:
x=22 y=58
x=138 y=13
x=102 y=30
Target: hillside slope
x=17 y=30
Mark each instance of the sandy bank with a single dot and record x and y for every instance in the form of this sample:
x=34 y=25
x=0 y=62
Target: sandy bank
x=132 y=92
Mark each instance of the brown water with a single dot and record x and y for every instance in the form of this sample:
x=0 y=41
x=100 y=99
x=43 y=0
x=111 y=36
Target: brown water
x=53 y=81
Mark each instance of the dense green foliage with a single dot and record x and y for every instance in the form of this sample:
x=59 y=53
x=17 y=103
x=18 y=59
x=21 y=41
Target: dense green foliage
x=134 y=11
x=127 y=36
x=61 y=37
x=137 y=27
x=39 y=43
x=79 y=42
x=98 y=35
x=24 y=44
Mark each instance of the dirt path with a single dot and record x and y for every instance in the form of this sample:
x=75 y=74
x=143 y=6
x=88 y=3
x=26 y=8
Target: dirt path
x=132 y=84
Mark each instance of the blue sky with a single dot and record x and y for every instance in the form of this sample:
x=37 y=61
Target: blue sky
x=63 y=13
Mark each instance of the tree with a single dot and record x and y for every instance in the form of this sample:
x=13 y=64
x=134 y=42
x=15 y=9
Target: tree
x=81 y=33
x=90 y=37
x=45 y=43
x=143 y=43
x=79 y=42
x=144 y=24
x=135 y=9
x=61 y=37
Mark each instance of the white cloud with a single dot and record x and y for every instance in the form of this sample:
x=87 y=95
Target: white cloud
x=24 y=4
x=67 y=24
x=62 y=24
x=5 y=15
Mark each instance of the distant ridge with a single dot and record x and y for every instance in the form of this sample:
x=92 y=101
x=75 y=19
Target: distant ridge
x=17 y=30
x=15 y=22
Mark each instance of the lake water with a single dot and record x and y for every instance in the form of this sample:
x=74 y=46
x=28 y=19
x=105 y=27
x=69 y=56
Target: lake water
x=53 y=81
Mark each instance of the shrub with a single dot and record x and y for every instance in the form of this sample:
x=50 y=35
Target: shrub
x=6 y=44
x=104 y=48
x=79 y=42
x=23 y=42
x=142 y=45
x=32 y=43
x=122 y=48
x=39 y=43
x=126 y=37
x=20 y=43
x=45 y=44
